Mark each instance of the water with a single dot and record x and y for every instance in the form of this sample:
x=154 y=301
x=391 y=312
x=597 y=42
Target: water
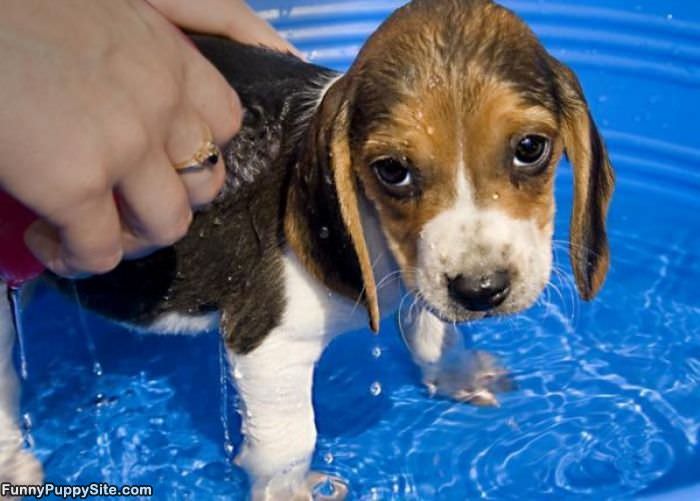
x=14 y=295
x=608 y=398
x=607 y=404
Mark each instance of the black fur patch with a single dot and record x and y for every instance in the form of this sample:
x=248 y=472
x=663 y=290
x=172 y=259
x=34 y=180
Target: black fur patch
x=231 y=258
x=595 y=241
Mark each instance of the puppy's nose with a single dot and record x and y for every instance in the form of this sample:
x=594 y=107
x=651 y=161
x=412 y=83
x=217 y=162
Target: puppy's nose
x=480 y=293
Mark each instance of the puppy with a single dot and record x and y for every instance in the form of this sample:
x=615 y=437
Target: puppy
x=432 y=159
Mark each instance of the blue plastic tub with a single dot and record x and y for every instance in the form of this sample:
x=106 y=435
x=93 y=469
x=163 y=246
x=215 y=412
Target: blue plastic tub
x=608 y=403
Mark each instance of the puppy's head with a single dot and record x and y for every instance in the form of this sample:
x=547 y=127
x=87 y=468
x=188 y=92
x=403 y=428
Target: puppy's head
x=451 y=122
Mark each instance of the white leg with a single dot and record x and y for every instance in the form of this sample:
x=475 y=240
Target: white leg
x=274 y=383
x=449 y=369
x=17 y=465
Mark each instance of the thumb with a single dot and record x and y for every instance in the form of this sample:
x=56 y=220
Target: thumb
x=229 y=18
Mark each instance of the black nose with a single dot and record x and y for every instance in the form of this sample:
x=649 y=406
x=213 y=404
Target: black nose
x=480 y=293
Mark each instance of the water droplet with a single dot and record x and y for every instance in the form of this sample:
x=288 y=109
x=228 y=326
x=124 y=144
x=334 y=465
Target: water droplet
x=376 y=352
x=375 y=389
x=669 y=17
x=324 y=232
x=229 y=278
x=27 y=430
x=97 y=369
x=228 y=448
x=324 y=489
x=328 y=458
x=103 y=440
x=101 y=400
x=26 y=422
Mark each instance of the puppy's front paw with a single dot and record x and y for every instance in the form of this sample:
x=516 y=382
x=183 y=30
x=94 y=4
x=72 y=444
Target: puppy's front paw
x=20 y=467
x=324 y=487
x=474 y=377
x=315 y=486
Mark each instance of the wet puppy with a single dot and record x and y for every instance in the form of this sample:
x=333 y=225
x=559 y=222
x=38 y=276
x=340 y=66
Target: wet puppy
x=431 y=159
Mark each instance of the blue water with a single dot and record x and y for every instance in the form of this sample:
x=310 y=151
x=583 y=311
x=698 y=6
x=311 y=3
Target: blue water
x=608 y=398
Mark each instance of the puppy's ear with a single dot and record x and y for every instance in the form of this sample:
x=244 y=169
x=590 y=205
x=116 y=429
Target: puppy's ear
x=324 y=225
x=594 y=182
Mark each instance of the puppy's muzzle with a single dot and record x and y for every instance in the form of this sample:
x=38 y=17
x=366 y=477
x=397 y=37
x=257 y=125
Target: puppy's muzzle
x=480 y=293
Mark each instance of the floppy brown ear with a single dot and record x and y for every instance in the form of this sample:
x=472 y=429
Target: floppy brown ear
x=594 y=182
x=346 y=186
x=323 y=222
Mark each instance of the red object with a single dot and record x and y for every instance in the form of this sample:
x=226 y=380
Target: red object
x=17 y=263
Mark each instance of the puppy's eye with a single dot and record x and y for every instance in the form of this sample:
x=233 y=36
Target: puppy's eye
x=395 y=175
x=532 y=154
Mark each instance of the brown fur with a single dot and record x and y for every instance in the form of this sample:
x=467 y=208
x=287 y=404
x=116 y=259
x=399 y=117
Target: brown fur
x=323 y=199
x=450 y=83
x=594 y=182
x=442 y=84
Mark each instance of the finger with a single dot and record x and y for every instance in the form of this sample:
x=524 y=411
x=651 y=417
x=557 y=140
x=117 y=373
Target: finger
x=90 y=241
x=230 y=18
x=209 y=96
x=154 y=206
x=203 y=185
x=187 y=137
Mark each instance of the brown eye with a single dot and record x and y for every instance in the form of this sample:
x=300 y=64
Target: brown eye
x=532 y=154
x=395 y=175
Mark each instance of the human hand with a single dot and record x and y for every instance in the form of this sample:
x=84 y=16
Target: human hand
x=101 y=100
x=228 y=18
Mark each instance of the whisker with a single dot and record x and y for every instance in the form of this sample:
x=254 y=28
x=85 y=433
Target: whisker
x=400 y=322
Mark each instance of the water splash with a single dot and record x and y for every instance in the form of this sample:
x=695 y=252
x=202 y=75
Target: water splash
x=15 y=300
x=100 y=400
x=89 y=341
x=223 y=411
x=26 y=424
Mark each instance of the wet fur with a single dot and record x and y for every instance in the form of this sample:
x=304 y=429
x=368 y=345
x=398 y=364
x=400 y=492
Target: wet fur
x=286 y=252
x=294 y=170
x=233 y=250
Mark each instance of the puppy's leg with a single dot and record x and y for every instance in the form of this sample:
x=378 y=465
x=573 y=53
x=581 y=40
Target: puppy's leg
x=17 y=465
x=449 y=369
x=274 y=383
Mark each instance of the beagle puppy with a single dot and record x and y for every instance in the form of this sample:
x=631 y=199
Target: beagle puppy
x=431 y=159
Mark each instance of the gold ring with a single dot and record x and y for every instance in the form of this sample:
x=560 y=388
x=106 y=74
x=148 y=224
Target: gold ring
x=204 y=158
